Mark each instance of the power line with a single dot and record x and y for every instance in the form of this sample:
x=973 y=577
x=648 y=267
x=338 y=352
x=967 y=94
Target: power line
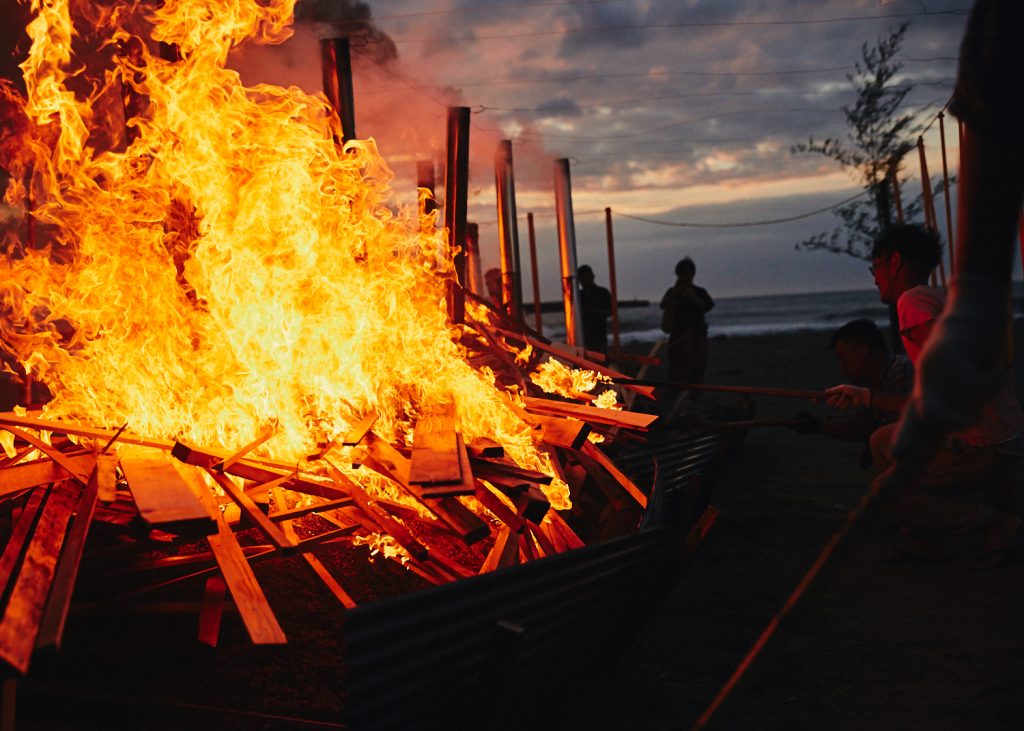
x=663 y=26
x=741 y=224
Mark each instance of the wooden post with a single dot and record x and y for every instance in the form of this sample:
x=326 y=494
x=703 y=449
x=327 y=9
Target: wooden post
x=336 y=67
x=508 y=230
x=455 y=203
x=567 y=253
x=945 y=192
x=930 y=219
x=538 y=321
x=612 y=285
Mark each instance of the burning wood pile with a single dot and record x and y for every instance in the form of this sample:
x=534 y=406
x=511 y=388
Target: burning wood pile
x=247 y=342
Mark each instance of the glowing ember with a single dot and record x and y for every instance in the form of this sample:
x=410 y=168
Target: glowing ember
x=219 y=265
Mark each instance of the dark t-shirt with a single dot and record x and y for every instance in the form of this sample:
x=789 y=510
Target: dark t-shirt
x=686 y=314
x=595 y=305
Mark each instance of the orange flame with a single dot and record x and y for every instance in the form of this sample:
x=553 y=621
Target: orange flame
x=222 y=265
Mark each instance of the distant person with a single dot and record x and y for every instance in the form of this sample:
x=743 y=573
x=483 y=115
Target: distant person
x=683 y=308
x=595 y=307
x=878 y=384
x=972 y=466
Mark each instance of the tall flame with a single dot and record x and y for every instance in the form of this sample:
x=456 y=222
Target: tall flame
x=223 y=264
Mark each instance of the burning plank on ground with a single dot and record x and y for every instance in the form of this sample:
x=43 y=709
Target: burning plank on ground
x=563 y=432
x=435 y=450
x=42 y=472
x=360 y=429
x=592 y=414
x=164 y=499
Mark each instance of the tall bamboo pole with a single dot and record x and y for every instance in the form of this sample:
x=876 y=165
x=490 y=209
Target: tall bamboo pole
x=945 y=192
x=931 y=220
x=534 y=269
x=612 y=285
x=456 y=198
x=567 y=253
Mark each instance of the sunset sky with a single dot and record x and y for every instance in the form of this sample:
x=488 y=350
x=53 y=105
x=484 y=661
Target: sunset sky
x=680 y=111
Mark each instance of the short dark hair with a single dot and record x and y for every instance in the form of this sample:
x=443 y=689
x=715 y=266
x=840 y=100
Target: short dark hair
x=584 y=269
x=861 y=331
x=917 y=245
x=685 y=265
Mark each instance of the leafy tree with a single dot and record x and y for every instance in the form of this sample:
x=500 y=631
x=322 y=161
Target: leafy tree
x=878 y=139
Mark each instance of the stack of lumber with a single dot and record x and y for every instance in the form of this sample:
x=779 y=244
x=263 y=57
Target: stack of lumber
x=231 y=508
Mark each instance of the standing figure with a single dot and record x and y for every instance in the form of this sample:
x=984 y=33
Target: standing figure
x=684 y=306
x=595 y=307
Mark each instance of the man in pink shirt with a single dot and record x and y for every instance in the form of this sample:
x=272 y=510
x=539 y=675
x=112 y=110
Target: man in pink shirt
x=947 y=496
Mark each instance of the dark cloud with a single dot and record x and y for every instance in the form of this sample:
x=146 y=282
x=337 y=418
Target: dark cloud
x=606 y=26
x=348 y=18
x=560 y=106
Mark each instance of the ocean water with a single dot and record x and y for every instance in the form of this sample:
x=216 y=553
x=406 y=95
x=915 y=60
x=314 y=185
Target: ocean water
x=761 y=315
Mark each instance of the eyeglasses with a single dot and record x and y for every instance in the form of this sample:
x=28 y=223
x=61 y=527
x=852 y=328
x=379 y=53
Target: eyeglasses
x=874 y=267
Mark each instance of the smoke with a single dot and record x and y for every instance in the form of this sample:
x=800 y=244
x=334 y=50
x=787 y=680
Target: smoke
x=351 y=19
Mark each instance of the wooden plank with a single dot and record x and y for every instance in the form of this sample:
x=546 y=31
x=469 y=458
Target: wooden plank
x=464 y=486
x=563 y=432
x=567 y=534
x=360 y=429
x=20 y=623
x=249 y=508
x=592 y=414
x=294 y=513
x=484 y=447
x=164 y=499
x=15 y=547
x=42 y=472
x=8 y=418
x=592 y=451
x=51 y=629
x=487 y=468
x=504 y=552
x=257 y=472
x=212 y=609
x=435 y=454
x=532 y=504
x=258 y=617
x=263 y=437
x=52 y=452
x=106 y=477
x=395 y=529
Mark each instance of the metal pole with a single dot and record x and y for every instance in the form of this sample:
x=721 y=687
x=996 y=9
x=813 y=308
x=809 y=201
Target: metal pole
x=611 y=279
x=475 y=277
x=945 y=191
x=567 y=253
x=508 y=230
x=455 y=202
x=930 y=219
x=537 y=319
x=336 y=67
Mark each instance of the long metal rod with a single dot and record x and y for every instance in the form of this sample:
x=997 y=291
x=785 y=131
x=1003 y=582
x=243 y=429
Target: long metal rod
x=945 y=192
x=567 y=253
x=508 y=230
x=336 y=67
x=752 y=390
x=455 y=203
x=612 y=283
x=538 y=321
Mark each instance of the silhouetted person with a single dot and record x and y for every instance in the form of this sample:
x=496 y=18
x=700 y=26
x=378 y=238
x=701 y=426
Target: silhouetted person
x=595 y=307
x=684 y=306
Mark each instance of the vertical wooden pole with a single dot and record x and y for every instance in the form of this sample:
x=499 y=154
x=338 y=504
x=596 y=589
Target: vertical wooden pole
x=538 y=321
x=612 y=282
x=945 y=192
x=455 y=204
x=930 y=219
x=567 y=253
x=336 y=70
